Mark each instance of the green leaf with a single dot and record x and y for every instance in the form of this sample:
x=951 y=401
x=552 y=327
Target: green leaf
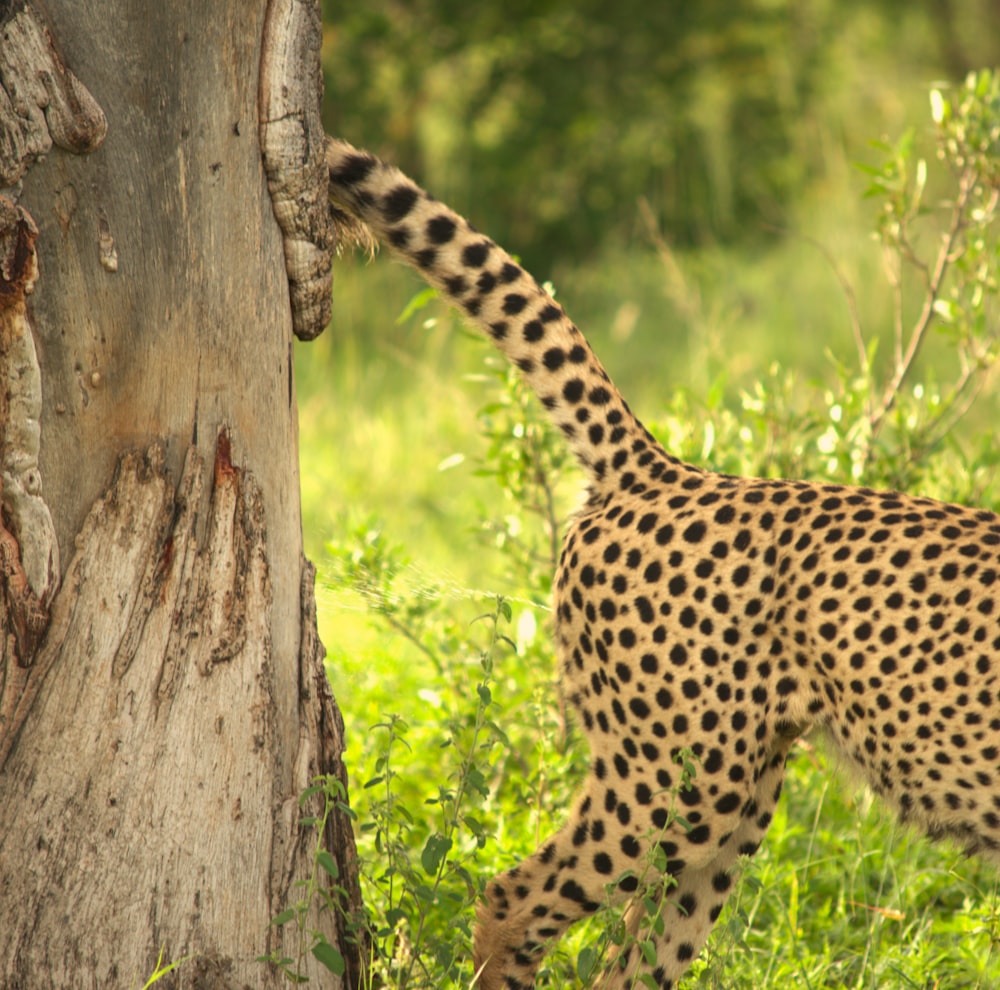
x=417 y=303
x=328 y=863
x=498 y=732
x=329 y=957
x=435 y=850
x=586 y=964
x=284 y=917
x=308 y=793
x=424 y=893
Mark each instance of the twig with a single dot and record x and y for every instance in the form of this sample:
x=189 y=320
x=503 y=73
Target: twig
x=904 y=362
x=857 y=331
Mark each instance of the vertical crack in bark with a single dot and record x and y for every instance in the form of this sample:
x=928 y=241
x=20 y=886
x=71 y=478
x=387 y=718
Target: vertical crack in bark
x=214 y=578
x=237 y=523
x=175 y=545
x=41 y=102
x=291 y=139
x=172 y=578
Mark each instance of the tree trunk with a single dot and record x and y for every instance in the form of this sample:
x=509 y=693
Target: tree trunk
x=163 y=708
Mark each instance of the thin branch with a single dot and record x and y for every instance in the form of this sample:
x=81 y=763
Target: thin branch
x=904 y=364
x=894 y=276
x=962 y=397
x=687 y=301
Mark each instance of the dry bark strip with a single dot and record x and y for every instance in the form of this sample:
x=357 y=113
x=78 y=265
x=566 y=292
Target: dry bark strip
x=29 y=554
x=167 y=638
x=291 y=140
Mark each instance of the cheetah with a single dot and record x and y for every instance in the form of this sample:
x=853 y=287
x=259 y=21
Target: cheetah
x=720 y=616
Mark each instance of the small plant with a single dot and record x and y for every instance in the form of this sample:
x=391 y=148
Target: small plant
x=319 y=889
x=161 y=970
x=419 y=850
x=939 y=248
x=421 y=924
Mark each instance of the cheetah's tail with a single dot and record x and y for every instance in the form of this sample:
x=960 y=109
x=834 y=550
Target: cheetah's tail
x=523 y=320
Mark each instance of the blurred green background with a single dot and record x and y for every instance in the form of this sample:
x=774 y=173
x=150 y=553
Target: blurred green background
x=550 y=120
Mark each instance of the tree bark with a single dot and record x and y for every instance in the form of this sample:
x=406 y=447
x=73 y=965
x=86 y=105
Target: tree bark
x=162 y=709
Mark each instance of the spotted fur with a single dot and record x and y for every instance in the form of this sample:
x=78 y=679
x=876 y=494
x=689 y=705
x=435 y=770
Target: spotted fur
x=720 y=615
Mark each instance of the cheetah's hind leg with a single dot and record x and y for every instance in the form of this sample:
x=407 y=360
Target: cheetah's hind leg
x=574 y=874
x=665 y=945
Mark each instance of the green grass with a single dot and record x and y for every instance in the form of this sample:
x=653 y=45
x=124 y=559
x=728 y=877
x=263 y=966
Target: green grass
x=414 y=507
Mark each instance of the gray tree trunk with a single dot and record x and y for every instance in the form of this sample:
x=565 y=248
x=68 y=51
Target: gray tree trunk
x=164 y=704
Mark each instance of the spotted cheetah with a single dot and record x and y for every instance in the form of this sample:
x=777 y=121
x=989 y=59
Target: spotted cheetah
x=715 y=615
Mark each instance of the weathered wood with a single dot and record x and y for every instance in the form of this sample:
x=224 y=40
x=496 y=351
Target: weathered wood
x=150 y=803
x=177 y=707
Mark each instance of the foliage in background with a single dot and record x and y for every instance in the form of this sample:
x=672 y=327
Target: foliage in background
x=549 y=120
x=461 y=759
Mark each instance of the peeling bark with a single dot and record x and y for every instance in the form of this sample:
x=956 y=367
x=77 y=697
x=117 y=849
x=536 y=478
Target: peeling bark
x=41 y=102
x=291 y=139
x=29 y=555
x=24 y=511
